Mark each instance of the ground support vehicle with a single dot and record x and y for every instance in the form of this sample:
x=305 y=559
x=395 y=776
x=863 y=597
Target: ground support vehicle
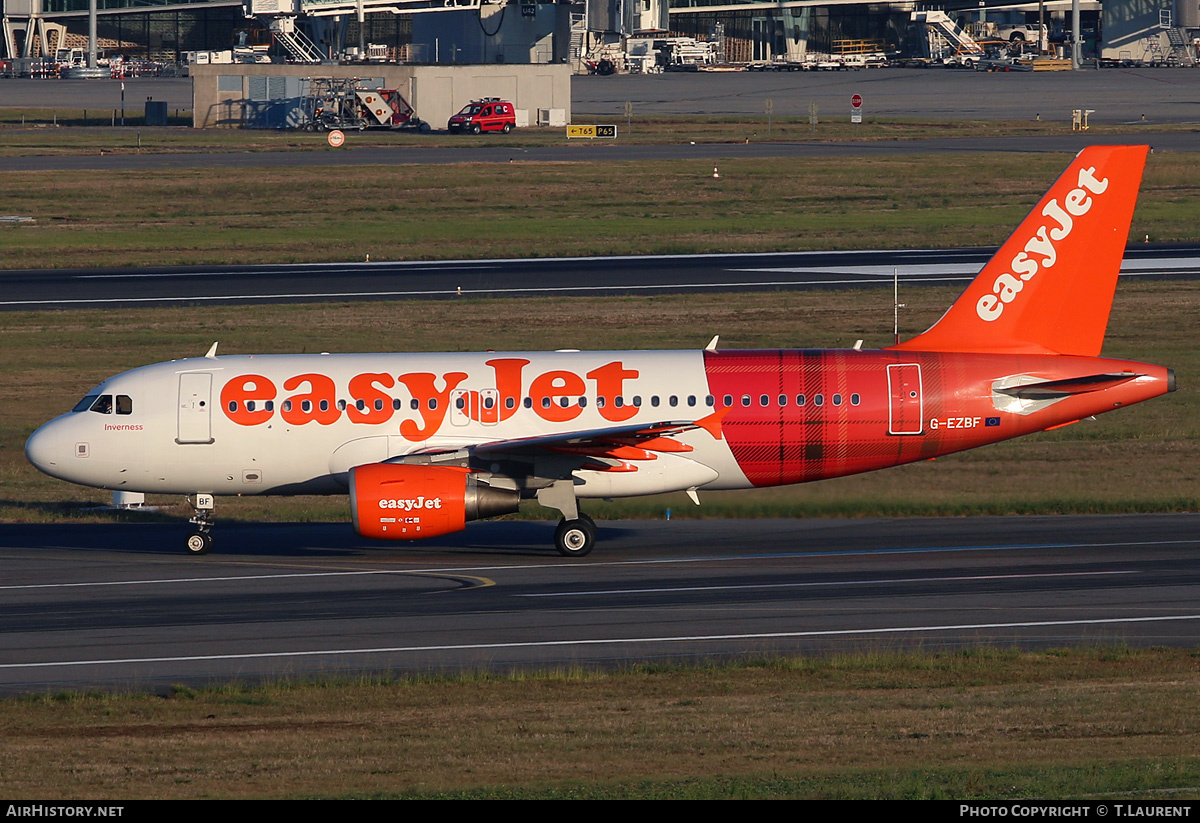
x=488 y=114
x=387 y=109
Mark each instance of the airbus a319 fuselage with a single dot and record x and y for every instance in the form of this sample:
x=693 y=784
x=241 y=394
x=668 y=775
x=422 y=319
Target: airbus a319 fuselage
x=425 y=442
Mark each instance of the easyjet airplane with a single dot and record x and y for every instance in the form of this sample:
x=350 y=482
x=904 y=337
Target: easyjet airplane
x=425 y=442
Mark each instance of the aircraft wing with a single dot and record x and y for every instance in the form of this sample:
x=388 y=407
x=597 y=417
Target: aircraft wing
x=631 y=442
x=641 y=434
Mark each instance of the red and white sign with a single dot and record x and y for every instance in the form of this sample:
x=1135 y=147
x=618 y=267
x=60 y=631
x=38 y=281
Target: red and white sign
x=336 y=138
x=856 y=101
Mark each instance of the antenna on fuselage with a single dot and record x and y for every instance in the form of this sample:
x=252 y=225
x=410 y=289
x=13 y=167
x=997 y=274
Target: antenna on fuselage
x=212 y=352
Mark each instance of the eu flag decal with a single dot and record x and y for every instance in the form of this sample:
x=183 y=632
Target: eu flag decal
x=992 y=421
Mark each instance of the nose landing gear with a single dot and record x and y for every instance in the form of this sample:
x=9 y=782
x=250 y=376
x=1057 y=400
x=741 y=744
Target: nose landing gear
x=200 y=541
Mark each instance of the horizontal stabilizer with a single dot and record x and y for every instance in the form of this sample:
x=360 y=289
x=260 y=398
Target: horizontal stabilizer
x=1054 y=389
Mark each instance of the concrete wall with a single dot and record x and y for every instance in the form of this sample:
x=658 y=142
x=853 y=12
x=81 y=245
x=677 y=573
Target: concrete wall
x=493 y=34
x=1131 y=25
x=221 y=94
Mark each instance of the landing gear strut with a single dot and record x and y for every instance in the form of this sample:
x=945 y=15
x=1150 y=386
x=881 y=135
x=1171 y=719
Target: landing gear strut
x=200 y=541
x=576 y=534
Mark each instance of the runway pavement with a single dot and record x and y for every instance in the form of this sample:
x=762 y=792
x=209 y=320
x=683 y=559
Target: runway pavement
x=539 y=277
x=123 y=605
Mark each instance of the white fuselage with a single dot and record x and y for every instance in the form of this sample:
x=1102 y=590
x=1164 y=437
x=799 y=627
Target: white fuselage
x=280 y=424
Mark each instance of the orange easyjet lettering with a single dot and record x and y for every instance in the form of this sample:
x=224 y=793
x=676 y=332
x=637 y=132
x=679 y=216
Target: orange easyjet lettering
x=249 y=399
x=432 y=404
x=240 y=393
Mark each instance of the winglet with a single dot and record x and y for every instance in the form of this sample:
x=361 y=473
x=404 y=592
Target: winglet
x=1049 y=288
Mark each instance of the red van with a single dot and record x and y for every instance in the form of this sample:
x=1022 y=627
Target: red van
x=488 y=114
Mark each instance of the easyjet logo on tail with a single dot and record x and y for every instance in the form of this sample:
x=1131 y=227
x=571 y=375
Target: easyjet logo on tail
x=1040 y=251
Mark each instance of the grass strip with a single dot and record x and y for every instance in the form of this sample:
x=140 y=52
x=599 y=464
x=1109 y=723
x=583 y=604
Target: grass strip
x=981 y=723
x=460 y=211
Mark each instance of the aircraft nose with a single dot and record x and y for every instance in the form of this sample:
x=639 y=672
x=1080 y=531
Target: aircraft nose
x=44 y=450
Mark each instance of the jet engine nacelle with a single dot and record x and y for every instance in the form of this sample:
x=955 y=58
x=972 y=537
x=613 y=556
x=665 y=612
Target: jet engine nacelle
x=391 y=501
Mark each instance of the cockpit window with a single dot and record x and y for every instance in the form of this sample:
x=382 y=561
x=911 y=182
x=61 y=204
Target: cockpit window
x=103 y=404
x=85 y=403
x=124 y=404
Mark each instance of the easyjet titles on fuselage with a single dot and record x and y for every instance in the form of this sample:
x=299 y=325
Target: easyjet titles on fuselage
x=312 y=397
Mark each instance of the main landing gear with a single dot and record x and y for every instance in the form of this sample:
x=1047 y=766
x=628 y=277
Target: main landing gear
x=200 y=541
x=575 y=538
x=576 y=533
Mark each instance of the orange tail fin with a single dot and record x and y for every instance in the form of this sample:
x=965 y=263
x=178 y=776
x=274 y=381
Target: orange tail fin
x=1049 y=288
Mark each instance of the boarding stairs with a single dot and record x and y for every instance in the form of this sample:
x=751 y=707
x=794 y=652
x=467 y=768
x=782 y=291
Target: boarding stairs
x=939 y=22
x=1181 y=48
x=296 y=43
